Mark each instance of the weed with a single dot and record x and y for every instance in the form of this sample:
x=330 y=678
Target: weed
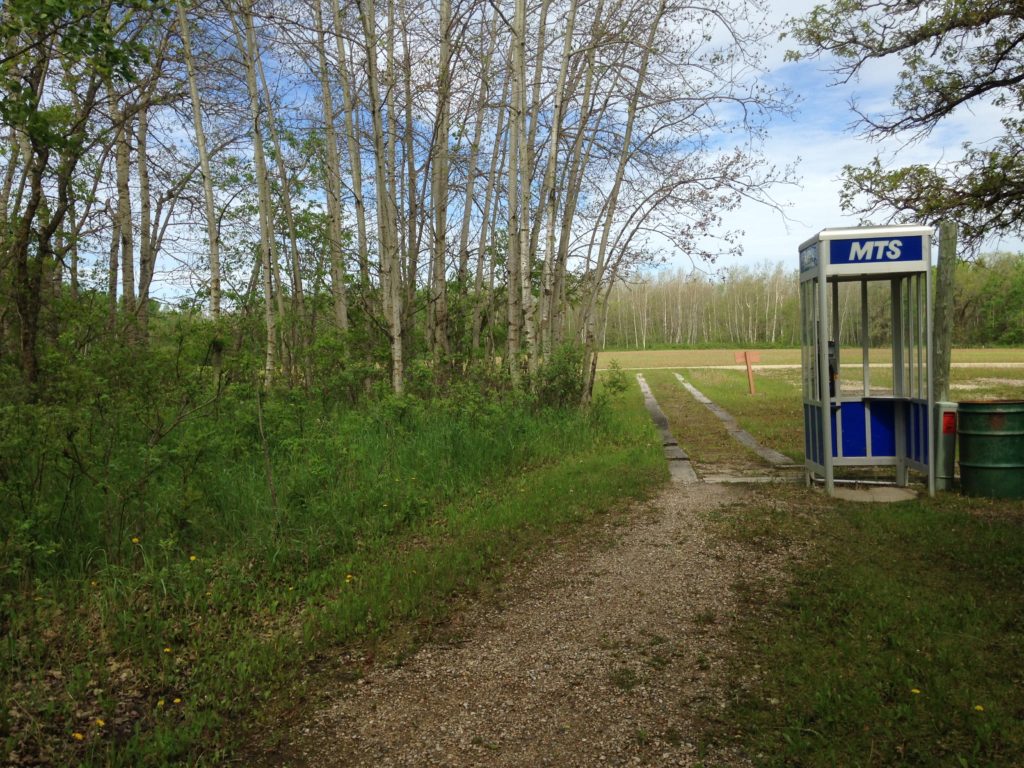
x=673 y=736
x=624 y=679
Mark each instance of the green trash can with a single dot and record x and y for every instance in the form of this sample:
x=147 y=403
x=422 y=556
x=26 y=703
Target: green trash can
x=991 y=436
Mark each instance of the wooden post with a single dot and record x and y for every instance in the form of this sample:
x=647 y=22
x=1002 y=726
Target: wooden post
x=749 y=358
x=943 y=319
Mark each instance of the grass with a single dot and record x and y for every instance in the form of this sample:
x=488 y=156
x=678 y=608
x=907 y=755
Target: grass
x=896 y=638
x=773 y=415
x=184 y=638
x=687 y=358
x=689 y=420
x=899 y=641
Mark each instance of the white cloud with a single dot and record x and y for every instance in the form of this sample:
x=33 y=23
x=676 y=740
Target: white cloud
x=820 y=136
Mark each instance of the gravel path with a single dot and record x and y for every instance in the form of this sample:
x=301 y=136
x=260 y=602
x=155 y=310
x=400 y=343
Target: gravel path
x=607 y=652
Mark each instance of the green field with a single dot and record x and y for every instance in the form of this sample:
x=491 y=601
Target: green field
x=685 y=358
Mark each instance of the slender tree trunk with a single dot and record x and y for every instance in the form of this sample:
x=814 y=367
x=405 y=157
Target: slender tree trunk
x=247 y=46
x=355 y=159
x=147 y=250
x=389 y=269
x=212 y=236
x=497 y=162
x=613 y=197
x=516 y=180
x=439 y=190
x=549 y=194
x=412 y=223
x=124 y=203
x=333 y=183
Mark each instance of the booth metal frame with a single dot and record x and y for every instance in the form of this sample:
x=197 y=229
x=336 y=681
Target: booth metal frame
x=867 y=429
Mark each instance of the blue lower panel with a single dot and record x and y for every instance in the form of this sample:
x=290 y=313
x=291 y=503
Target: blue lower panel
x=807 y=433
x=813 y=437
x=855 y=440
x=835 y=432
x=883 y=428
x=917 y=431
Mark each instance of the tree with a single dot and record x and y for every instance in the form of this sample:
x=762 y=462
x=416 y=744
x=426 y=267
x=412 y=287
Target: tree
x=953 y=54
x=68 y=52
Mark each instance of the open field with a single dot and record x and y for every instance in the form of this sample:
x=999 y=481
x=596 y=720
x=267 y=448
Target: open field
x=774 y=413
x=687 y=358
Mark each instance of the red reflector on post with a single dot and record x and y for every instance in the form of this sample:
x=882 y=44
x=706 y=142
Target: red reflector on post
x=949 y=423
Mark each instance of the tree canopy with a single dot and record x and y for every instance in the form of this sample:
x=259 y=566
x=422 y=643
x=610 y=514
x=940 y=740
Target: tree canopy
x=954 y=55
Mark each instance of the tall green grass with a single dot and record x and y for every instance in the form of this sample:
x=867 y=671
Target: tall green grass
x=166 y=575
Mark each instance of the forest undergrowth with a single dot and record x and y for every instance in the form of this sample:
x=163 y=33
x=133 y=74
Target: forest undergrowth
x=176 y=542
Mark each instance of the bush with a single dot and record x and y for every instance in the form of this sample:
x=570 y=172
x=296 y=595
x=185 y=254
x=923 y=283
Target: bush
x=558 y=382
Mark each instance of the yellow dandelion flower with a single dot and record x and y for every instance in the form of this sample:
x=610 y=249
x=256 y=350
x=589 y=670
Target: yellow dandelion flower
x=168 y=650
x=135 y=539
x=978 y=708
x=177 y=701
x=93 y=583
x=78 y=736
x=160 y=704
x=192 y=558
x=100 y=722
x=915 y=690
x=349 y=578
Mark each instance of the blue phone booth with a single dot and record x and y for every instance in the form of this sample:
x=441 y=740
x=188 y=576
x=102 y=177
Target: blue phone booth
x=867 y=426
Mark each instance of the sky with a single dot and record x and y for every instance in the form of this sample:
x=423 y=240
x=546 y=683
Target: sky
x=820 y=134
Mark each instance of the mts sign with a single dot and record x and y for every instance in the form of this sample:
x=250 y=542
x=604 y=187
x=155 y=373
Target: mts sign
x=876 y=250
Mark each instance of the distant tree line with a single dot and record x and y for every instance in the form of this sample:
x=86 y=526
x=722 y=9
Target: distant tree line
x=760 y=306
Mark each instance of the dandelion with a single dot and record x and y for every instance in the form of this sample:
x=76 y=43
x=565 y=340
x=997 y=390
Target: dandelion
x=192 y=558
x=915 y=691
x=168 y=650
x=135 y=539
x=100 y=722
x=349 y=578
x=78 y=736
x=160 y=704
x=93 y=583
x=978 y=708
x=177 y=701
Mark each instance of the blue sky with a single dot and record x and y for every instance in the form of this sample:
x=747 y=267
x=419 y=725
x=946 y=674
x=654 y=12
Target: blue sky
x=820 y=134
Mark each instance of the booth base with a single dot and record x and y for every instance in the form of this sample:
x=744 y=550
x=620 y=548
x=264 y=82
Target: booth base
x=885 y=494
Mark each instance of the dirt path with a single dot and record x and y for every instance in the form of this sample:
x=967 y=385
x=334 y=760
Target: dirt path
x=610 y=650
x=611 y=655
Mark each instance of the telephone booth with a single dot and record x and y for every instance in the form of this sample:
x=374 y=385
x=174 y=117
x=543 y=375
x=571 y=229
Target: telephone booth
x=850 y=423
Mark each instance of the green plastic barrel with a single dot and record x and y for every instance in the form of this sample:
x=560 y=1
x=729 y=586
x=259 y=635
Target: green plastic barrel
x=991 y=436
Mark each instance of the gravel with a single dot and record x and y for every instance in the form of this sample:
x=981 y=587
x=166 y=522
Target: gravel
x=606 y=652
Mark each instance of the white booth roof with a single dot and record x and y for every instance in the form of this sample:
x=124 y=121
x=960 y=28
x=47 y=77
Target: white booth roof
x=863 y=252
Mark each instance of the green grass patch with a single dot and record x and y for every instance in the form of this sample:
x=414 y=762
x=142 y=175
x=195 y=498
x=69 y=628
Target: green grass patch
x=900 y=640
x=773 y=415
x=160 y=598
x=698 y=431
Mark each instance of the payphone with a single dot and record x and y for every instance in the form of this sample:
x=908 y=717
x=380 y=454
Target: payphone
x=867 y=426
